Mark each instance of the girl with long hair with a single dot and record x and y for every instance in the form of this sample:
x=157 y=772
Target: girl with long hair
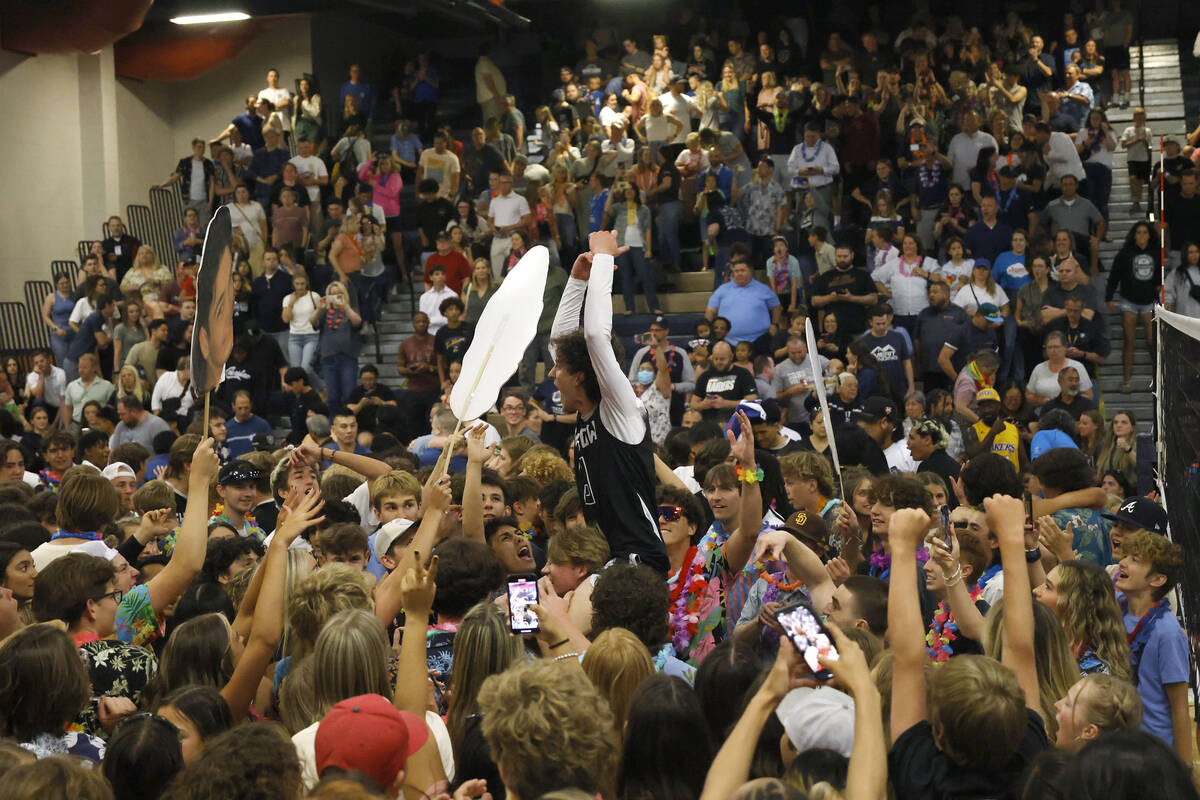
x=667 y=749
x=1118 y=453
x=1134 y=288
x=1081 y=595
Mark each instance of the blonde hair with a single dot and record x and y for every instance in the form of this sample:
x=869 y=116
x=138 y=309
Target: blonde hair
x=1057 y=669
x=319 y=596
x=154 y=495
x=807 y=465
x=297 y=698
x=483 y=646
x=391 y=484
x=616 y=663
x=977 y=711
x=350 y=658
x=1110 y=703
x=547 y=727
x=544 y=464
x=583 y=546
x=139 y=386
x=1090 y=615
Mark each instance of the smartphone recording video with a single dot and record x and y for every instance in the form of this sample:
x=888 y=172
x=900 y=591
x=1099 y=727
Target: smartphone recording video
x=522 y=593
x=946 y=534
x=810 y=638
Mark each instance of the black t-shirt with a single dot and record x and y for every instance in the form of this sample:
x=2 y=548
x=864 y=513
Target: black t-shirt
x=668 y=170
x=852 y=317
x=1056 y=297
x=168 y=357
x=1075 y=408
x=934 y=328
x=301 y=405
x=452 y=343
x=969 y=340
x=856 y=447
x=918 y=769
x=433 y=217
x=733 y=383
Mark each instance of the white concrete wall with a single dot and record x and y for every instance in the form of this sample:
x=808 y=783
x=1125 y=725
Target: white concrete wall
x=82 y=144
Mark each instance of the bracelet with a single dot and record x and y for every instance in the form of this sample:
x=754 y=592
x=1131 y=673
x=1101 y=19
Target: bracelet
x=746 y=475
x=557 y=645
x=573 y=654
x=1033 y=555
x=956 y=578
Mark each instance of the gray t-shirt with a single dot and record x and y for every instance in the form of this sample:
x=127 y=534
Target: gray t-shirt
x=1078 y=216
x=787 y=374
x=143 y=434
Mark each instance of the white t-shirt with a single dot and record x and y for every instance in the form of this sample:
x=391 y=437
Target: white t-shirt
x=909 y=292
x=55 y=393
x=303 y=311
x=964 y=152
x=1137 y=151
x=430 y=303
x=439 y=167
x=167 y=387
x=1100 y=156
x=505 y=210
x=963 y=270
x=82 y=310
x=1044 y=382
x=277 y=96
x=1062 y=159
x=681 y=108
x=311 y=166
x=247 y=218
x=970 y=298
x=198 y=190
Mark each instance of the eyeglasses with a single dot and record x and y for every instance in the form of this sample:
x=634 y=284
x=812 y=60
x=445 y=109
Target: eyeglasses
x=116 y=595
x=959 y=525
x=669 y=513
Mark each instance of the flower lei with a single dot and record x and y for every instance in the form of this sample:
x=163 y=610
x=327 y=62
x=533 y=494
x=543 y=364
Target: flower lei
x=687 y=594
x=943 y=630
x=660 y=658
x=881 y=562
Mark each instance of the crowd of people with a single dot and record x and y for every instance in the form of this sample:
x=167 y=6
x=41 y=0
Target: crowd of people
x=309 y=594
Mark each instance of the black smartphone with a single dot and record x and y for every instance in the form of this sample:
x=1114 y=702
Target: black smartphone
x=1028 y=498
x=947 y=536
x=522 y=593
x=810 y=638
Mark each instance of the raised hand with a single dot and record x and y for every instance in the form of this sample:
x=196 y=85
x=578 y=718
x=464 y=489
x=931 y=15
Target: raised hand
x=158 y=522
x=204 y=466
x=838 y=570
x=1006 y=518
x=1055 y=539
x=603 y=243
x=304 y=515
x=477 y=450
x=741 y=447
x=419 y=586
x=908 y=526
x=581 y=270
x=850 y=667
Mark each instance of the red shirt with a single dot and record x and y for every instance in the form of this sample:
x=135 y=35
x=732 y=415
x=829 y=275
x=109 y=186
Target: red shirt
x=458 y=269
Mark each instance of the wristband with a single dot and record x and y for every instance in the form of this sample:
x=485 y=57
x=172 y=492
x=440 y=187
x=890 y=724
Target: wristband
x=557 y=645
x=1033 y=555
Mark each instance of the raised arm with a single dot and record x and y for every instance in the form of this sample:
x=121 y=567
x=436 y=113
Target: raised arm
x=1006 y=518
x=187 y=558
x=802 y=564
x=866 y=776
x=966 y=613
x=309 y=452
x=267 y=629
x=741 y=542
x=619 y=407
x=472 y=497
x=906 y=632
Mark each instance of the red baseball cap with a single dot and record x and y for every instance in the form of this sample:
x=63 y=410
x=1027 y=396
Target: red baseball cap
x=368 y=734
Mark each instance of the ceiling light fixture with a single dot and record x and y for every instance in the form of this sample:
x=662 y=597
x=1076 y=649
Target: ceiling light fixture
x=202 y=19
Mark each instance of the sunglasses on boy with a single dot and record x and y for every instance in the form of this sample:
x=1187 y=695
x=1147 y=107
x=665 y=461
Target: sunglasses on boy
x=669 y=513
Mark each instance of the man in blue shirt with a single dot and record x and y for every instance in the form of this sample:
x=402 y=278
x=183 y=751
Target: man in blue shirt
x=1158 y=646
x=1009 y=269
x=91 y=335
x=599 y=186
x=361 y=91
x=988 y=237
x=750 y=306
x=891 y=350
x=245 y=425
x=248 y=123
x=266 y=167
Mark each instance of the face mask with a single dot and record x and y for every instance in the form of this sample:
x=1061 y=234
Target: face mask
x=645 y=376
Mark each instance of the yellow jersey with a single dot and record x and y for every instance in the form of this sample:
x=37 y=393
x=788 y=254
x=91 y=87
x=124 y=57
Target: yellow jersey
x=1006 y=442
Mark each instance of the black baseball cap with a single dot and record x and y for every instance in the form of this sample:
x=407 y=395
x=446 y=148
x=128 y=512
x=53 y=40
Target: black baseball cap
x=876 y=409
x=238 y=472
x=1140 y=512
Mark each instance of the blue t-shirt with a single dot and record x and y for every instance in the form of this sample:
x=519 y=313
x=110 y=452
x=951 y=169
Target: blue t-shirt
x=239 y=436
x=748 y=309
x=891 y=351
x=724 y=179
x=1091 y=534
x=1048 y=440
x=1010 y=273
x=85 y=339
x=408 y=148
x=1164 y=661
x=596 y=211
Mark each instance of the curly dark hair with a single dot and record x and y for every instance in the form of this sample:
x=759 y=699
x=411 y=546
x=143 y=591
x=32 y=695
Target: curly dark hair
x=989 y=473
x=635 y=598
x=899 y=491
x=223 y=551
x=693 y=512
x=250 y=762
x=467 y=574
x=1064 y=469
x=572 y=351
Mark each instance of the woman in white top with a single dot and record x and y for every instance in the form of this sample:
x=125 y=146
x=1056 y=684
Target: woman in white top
x=957 y=269
x=982 y=289
x=609 y=113
x=1043 y=380
x=652 y=385
x=903 y=279
x=248 y=217
x=1183 y=284
x=657 y=129
x=299 y=310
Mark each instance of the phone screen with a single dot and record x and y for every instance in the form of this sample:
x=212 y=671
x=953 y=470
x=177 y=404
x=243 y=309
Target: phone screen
x=522 y=593
x=946 y=535
x=1028 y=498
x=810 y=638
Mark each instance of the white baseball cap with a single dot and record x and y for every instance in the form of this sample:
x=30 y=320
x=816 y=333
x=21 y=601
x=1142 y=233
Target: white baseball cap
x=389 y=533
x=818 y=719
x=118 y=469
